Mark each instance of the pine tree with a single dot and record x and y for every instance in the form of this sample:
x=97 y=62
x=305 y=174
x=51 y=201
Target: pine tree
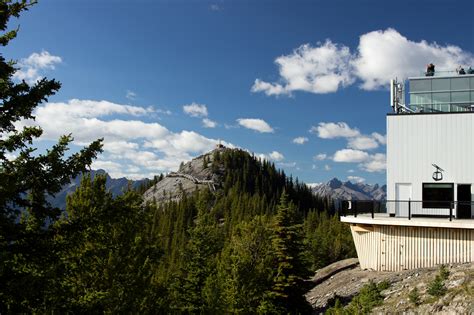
x=291 y=269
x=27 y=257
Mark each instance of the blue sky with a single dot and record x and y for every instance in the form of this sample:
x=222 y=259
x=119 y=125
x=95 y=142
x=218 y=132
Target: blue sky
x=162 y=81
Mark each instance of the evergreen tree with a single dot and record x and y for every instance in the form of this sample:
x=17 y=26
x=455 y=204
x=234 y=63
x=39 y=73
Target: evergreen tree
x=291 y=269
x=27 y=257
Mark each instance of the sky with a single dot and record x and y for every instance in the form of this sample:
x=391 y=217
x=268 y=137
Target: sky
x=301 y=83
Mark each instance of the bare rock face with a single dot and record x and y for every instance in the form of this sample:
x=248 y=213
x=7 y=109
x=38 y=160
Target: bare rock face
x=194 y=175
x=350 y=191
x=343 y=280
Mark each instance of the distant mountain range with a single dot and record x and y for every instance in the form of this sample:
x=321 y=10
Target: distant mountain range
x=337 y=189
x=114 y=185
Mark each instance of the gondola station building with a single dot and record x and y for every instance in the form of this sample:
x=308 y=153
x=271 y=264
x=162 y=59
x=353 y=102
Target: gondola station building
x=428 y=218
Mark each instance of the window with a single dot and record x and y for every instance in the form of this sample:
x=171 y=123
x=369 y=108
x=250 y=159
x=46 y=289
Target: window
x=437 y=196
x=441 y=85
x=460 y=83
x=423 y=85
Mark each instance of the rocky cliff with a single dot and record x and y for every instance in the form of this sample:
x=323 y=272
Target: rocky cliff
x=337 y=189
x=344 y=280
x=191 y=176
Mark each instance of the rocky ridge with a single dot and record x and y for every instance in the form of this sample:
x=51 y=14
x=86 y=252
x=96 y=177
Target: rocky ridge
x=343 y=280
x=191 y=176
x=339 y=190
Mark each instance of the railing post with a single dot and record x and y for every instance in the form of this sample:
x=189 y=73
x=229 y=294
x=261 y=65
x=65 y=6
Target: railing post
x=355 y=208
x=409 y=209
x=451 y=211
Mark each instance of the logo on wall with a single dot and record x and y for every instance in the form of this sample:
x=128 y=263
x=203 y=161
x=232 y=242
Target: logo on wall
x=437 y=175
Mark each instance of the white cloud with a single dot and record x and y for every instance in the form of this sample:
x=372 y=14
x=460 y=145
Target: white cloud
x=350 y=156
x=256 y=124
x=362 y=143
x=327 y=167
x=207 y=123
x=375 y=163
x=133 y=144
x=313 y=185
x=356 y=179
x=350 y=171
x=320 y=69
x=131 y=95
x=384 y=55
x=332 y=130
x=380 y=138
x=381 y=55
x=320 y=156
x=313 y=167
x=272 y=156
x=30 y=68
x=195 y=110
x=300 y=140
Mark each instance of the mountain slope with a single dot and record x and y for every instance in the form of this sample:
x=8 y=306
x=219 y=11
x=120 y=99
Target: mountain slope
x=337 y=189
x=114 y=185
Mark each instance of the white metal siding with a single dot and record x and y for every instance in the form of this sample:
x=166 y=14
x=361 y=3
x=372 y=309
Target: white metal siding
x=394 y=248
x=414 y=142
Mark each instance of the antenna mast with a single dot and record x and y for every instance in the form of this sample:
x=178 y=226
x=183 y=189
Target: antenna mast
x=397 y=97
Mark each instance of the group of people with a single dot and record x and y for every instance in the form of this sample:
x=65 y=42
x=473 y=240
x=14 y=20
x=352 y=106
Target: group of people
x=430 y=70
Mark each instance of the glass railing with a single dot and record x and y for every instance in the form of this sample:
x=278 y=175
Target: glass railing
x=442 y=108
x=444 y=73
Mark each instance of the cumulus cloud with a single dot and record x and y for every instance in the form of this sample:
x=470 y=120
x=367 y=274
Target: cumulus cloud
x=362 y=143
x=380 y=56
x=207 y=123
x=367 y=162
x=375 y=163
x=320 y=156
x=356 y=179
x=327 y=167
x=195 y=110
x=300 y=140
x=332 y=130
x=320 y=69
x=350 y=156
x=380 y=138
x=386 y=54
x=31 y=68
x=272 y=156
x=141 y=149
x=256 y=124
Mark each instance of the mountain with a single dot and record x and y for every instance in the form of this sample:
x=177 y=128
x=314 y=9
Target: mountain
x=337 y=189
x=201 y=172
x=114 y=185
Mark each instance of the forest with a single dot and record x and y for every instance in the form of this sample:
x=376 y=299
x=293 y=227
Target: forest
x=247 y=248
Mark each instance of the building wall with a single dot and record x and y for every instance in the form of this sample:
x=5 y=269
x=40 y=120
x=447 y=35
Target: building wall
x=416 y=141
x=394 y=248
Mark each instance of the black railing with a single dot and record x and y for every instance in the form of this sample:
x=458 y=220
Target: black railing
x=407 y=208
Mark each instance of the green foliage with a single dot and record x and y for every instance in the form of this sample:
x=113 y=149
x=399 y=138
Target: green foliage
x=243 y=249
x=414 y=296
x=28 y=255
x=327 y=239
x=363 y=303
x=291 y=268
x=436 y=287
x=107 y=256
x=443 y=272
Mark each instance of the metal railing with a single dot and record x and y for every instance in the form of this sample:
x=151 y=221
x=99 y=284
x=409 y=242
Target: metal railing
x=407 y=208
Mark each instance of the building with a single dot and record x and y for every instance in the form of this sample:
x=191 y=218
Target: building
x=428 y=218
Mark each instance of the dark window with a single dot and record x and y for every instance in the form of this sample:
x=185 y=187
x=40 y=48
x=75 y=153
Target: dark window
x=437 y=195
